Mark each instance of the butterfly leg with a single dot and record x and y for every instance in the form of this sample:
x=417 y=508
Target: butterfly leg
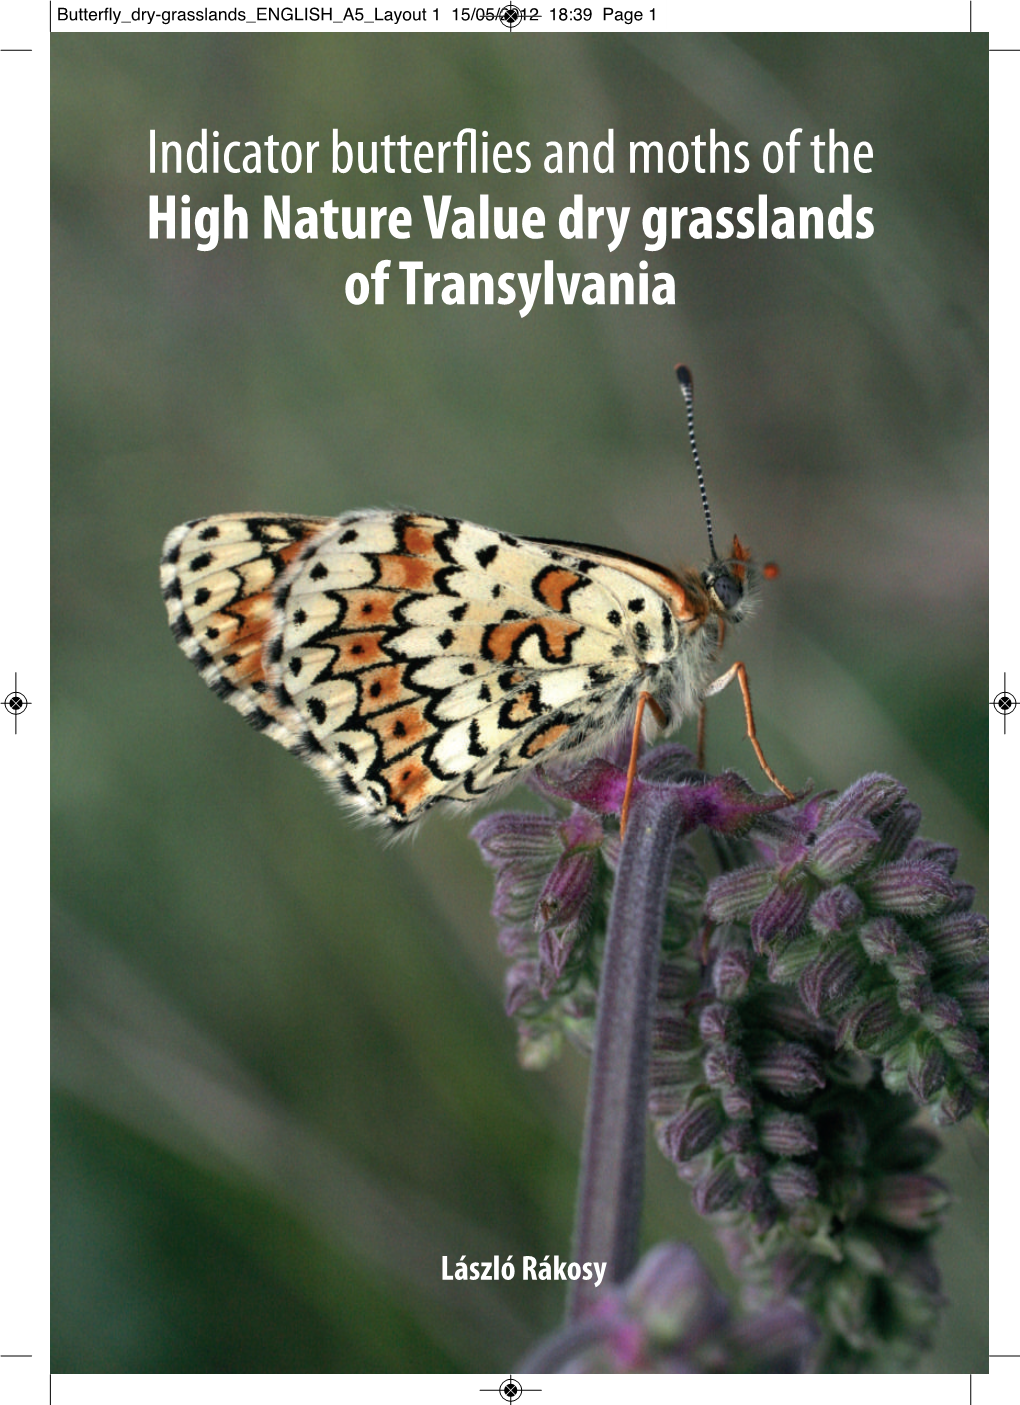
x=739 y=672
x=644 y=700
x=699 y=759
x=702 y=717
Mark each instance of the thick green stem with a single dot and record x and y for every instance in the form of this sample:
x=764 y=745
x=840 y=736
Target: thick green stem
x=608 y=1222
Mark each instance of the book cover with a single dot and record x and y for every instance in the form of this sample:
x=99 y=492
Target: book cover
x=450 y=270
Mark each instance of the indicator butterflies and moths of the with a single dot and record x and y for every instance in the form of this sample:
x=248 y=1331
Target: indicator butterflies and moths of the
x=419 y=661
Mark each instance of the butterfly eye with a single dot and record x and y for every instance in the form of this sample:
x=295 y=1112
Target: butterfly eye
x=726 y=588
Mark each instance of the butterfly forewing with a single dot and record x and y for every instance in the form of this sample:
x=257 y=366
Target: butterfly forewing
x=414 y=659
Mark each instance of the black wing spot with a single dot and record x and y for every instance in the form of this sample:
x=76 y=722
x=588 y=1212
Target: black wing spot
x=486 y=555
x=467 y=668
x=208 y=534
x=299 y=616
x=642 y=635
x=636 y=606
x=317 y=708
x=615 y=618
x=445 y=639
x=319 y=571
x=350 y=535
x=199 y=562
x=295 y=666
x=276 y=651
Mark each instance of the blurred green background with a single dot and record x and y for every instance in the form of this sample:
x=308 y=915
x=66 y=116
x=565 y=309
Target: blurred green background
x=284 y=1083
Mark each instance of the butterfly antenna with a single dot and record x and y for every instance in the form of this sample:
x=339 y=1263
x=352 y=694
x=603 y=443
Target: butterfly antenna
x=683 y=375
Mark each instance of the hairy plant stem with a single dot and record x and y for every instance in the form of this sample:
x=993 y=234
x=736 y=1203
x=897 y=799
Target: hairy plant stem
x=611 y=1185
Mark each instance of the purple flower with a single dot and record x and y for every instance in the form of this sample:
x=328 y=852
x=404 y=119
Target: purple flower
x=669 y=1316
x=809 y=997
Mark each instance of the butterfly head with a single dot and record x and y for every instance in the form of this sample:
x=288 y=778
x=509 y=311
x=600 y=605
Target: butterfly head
x=730 y=583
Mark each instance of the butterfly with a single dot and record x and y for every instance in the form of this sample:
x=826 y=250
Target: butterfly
x=420 y=662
